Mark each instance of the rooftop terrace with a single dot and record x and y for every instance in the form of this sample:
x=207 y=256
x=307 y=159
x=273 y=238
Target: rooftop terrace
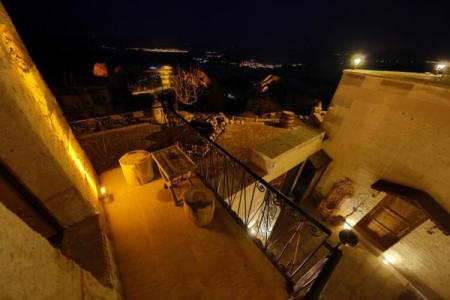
x=161 y=255
x=247 y=252
x=408 y=76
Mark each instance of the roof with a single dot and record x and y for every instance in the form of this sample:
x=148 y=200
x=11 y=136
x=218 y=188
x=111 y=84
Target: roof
x=275 y=147
x=240 y=139
x=427 y=78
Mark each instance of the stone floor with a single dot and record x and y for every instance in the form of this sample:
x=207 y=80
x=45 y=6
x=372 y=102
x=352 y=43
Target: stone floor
x=161 y=255
x=363 y=275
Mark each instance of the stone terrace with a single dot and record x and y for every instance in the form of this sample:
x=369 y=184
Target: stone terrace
x=161 y=255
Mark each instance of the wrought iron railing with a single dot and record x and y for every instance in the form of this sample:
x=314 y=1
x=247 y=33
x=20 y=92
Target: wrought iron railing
x=294 y=241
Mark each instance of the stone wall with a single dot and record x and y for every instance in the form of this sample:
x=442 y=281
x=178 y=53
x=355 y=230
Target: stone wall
x=88 y=244
x=33 y=269
x=36 y=141
x=104 y=148
x=396 y=129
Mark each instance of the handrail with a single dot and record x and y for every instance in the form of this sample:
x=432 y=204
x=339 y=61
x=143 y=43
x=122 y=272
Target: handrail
x=324 y=275
x=260 y=179
x=291 y=239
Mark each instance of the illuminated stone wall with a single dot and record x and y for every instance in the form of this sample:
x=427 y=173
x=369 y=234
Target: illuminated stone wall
x=36 y=141
x=165 y=73
x=384 y=125
x=104 y=148
x=33 y=269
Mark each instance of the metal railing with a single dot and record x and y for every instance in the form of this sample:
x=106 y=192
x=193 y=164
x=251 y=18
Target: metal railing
x=294 y=241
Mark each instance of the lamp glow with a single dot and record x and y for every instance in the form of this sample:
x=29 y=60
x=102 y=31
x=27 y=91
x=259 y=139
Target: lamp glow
x=357 y=60
x=102 y=191
x=389 y=259
x=349 y=223
x=440 y=67
x=347 y=226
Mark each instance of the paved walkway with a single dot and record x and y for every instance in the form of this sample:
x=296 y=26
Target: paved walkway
x=161 y=255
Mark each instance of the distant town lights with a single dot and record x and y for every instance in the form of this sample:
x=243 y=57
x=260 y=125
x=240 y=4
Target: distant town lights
x=160 y=50
x=256 y=65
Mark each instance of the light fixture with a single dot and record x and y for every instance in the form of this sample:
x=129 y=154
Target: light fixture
x=347 y=238
x=103 y=195
x=347 y=226
x=440 y=67
x=357 y=60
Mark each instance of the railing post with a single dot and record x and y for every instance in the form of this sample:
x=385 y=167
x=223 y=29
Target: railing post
x=324 y=275
x=265 y=218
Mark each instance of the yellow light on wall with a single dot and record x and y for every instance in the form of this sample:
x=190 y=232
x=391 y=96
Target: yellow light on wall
x=42 y=110
x=58 y=129
x=390 y=258
x=349 y=223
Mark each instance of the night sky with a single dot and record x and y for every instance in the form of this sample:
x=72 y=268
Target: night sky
x=413 y=27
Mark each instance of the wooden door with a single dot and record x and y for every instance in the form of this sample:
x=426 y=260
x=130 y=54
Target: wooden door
x=390 y=220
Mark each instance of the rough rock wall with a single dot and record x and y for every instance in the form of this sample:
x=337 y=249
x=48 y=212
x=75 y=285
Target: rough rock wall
x=32 y=269
x=36 y=141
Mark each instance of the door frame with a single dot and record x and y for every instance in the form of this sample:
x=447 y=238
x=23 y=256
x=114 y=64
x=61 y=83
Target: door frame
x=320 y=161
x=381 y=206
x=436 y=212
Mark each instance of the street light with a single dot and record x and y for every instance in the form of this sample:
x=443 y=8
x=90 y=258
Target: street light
x=440 y=67
x=357 y=60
